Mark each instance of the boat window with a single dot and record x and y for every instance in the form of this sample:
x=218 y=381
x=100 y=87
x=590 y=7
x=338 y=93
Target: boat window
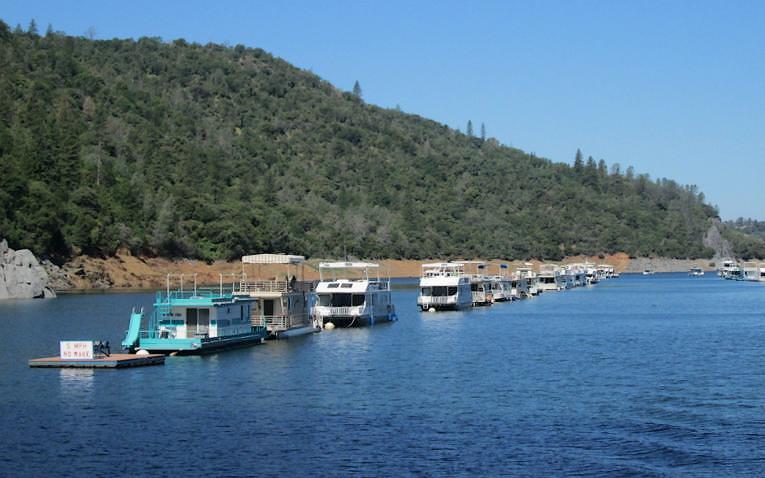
x=427 y=291
x=358 y=299
x=333 y=285
x=325 y=300
x=452 y=291
x=474 y=287
x=346 y=286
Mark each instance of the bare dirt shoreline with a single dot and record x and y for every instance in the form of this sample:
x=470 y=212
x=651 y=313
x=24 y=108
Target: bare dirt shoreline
x=125 y=271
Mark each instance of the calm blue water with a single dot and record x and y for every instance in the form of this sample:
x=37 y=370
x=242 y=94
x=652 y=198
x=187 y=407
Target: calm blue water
x=645 y=376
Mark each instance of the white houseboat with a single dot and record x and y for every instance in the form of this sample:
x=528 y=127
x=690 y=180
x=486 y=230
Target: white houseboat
x=550 y=278
x=501 y=287
x=532 y=280
x=444 y=285
x=281 y=295
x=480 y=285
x=696 y=271
x=354 y=300
x=750 y=271
x=519 y=286
x=730 y=269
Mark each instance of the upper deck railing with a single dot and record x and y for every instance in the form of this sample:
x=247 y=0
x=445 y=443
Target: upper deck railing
x=247 y=286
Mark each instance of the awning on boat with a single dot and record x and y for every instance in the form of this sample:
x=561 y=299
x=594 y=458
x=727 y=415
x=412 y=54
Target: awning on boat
x=272 y=259
x=348 y=265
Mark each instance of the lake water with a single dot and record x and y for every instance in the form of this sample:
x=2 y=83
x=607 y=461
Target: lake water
x=644 y=376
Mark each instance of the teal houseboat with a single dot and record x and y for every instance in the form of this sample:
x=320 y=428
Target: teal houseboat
x=194 y=321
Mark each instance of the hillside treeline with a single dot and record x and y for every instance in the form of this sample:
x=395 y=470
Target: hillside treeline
x=208 y=151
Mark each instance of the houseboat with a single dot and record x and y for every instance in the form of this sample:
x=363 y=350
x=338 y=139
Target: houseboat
x=696 y=272
x=592 y=274
x=519 y=286
x=550 y=278
x=567 y=277
x=501 y=288
x=730 y=270
x=194 y=321
x=480 y=285
x=606 y=271
x=281 y=296
x=444 y=286
x=750 y=271
x=579 y=274
x=532 y=280
x=348 y=296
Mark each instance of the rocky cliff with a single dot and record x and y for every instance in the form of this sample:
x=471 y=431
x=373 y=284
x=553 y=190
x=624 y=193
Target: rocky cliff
x=21 y=275
x=715 y=240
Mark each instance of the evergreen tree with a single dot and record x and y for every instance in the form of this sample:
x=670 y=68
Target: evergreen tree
x=578 y=162
x=483 y=132
x=32 y=30
x=469 y=129
x=357 y=90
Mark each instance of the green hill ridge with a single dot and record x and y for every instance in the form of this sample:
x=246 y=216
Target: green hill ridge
x=207 y=151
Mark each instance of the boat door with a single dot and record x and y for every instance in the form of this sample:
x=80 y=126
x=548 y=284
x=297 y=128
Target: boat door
x=268 y=307
x=197 y=322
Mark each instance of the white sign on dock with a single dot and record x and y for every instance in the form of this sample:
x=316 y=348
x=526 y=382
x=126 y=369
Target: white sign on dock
x=76 y=349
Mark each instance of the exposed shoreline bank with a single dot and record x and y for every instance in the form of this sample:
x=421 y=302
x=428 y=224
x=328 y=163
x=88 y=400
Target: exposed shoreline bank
x=128 y=272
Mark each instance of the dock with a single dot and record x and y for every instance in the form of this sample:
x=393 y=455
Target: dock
x=112 y=361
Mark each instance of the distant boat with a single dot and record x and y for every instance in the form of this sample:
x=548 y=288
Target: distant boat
x=696 y=272
x=648 y=272
x=550 y=278
x=730 y=270
x=480 y=284
x=444 y=285
x=750 y=271
x=532 y=281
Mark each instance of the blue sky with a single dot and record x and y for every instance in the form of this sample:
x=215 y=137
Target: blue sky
x=674 y=88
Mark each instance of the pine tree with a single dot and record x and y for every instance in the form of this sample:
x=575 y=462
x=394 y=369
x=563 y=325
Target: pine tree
x=357 y=90
x=483 y=132
x=469 y=130
x=578 y=162
x=49 y=30
x=32 y=30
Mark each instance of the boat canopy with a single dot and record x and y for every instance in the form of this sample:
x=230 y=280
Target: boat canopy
x=272 y=259
x=348 y=265
x=434 y=265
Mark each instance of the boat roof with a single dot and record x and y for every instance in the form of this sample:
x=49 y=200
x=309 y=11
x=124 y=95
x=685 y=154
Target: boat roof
x=434 y=265
x=469 y=262
x=272 y=259
x=348 y=265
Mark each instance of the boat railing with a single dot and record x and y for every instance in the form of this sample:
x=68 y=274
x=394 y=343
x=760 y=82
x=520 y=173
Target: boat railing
x=279 y=322
x=339 y=311
x=436 y=299
x=199 y=293
x=279 y=286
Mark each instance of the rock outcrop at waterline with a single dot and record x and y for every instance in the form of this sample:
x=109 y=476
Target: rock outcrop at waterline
x=715 y=240
x=21 y=275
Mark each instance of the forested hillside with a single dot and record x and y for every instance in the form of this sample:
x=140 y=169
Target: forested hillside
x=207 y=151
x=747 y=236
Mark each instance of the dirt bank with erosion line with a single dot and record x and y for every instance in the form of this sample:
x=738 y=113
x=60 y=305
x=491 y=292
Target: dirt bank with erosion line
x=125 y=271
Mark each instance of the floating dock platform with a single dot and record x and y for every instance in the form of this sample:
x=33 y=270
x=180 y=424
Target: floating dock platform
x=112 y=361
